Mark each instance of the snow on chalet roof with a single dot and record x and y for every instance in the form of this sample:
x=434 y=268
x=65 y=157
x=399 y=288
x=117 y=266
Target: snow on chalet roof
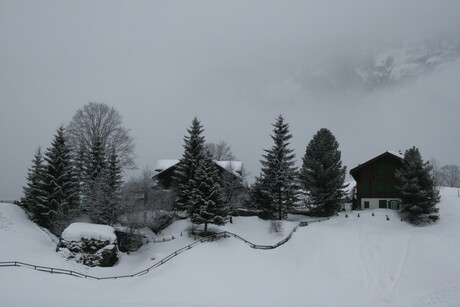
x=234 y=166
x=395 y=153
x=76 y=231
x=165 y=164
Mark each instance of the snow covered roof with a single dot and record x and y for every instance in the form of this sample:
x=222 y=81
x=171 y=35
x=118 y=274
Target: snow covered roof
x=396 y=153
x=76 y=231
x=165 y=164
x=235 y=167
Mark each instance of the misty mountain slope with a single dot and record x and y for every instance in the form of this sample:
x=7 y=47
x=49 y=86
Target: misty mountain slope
x=365 y=261
x=380 y=68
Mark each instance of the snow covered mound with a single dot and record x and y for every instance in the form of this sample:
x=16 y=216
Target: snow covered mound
x=76 y=231
x=90 y=244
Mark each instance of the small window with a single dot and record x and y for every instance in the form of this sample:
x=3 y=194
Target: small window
x=366 y=205
x=382 y=203
x=381 y=186
x=381 y=169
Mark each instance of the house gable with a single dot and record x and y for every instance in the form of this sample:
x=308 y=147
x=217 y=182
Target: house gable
x=165 y=171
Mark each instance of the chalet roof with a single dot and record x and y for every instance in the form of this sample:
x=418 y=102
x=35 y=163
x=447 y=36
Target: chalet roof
x=235 y=167
x=394 y=154
x=165 y=164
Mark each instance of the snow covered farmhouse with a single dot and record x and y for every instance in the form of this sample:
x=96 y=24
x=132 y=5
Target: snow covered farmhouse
x=165 y=169
x=376 y=182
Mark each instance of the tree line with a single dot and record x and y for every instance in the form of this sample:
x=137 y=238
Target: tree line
x=199 y=190
x=80 y=173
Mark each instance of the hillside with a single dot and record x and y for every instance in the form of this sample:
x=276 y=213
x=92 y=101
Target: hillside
x=365 y=261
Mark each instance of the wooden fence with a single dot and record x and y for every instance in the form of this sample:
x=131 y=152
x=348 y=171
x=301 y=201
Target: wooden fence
x=224 y=234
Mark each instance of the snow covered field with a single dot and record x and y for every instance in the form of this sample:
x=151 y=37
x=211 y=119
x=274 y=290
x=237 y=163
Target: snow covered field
x=365 y=261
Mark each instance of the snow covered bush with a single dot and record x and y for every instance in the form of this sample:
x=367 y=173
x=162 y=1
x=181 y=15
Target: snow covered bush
x=276 y=226
x=128 y=241
x=156 y=220
x=90 y=244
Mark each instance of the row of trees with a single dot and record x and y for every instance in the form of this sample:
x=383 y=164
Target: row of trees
x=321 y=177
x=200 y=191
x=81 y=171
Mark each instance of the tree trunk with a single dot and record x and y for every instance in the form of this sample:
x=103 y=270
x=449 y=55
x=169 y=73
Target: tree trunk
x=205 y=227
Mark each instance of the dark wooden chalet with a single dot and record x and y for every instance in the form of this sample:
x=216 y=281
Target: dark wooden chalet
x=165 y=169
x=376 y=182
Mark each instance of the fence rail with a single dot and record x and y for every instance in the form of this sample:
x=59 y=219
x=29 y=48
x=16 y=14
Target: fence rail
x=224 y=234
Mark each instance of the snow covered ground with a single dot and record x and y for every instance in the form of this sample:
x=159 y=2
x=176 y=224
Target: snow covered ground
x=365 y=261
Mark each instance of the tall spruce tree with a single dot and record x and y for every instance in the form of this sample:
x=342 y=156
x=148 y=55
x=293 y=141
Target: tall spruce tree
x=60 y=184
x=186 y=170
x=110 y=207
x=80 y=159
x=208 y=205
x=34 y=198
x=259 y=197
x=322 y=175
x=103 y=176
x=419 y=194
x=277 y=186
x=94 y=189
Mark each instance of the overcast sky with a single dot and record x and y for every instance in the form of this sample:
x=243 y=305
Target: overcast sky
x=235 y=65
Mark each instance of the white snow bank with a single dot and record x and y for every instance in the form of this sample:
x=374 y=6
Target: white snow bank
x=76 y=231
x=366 y=260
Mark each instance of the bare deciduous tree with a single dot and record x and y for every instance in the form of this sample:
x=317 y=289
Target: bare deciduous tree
x=435 y=172
x=145 y=205
x=99 y=121
x=450 y=175
x=220 y=151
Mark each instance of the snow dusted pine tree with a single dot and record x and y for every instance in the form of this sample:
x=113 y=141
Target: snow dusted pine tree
x=419 y=195
x=259 y=197
x=34 y=195
x=80 y=159
x=208 y=205
x=186 y=170
x=94 y=181
x=322 y=175
x=109 y=207
x=104 y=181
x=277 y=185
x=60 y=184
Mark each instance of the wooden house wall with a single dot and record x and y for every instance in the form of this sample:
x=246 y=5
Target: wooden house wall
x=377 y=179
